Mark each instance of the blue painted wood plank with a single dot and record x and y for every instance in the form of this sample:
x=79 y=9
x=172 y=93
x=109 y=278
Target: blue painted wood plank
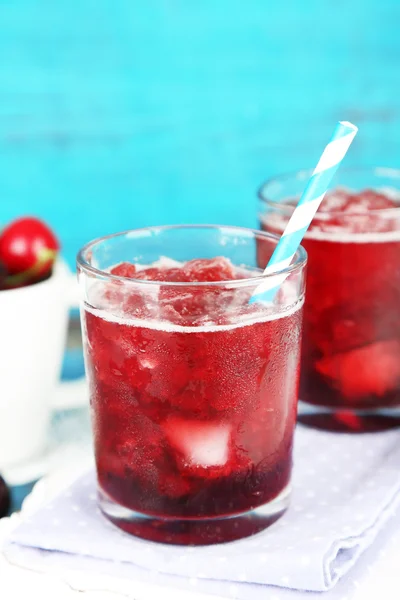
x=108 y=108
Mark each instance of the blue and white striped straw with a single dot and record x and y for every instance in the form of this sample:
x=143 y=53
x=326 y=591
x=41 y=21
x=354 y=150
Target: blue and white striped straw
x=305 y=210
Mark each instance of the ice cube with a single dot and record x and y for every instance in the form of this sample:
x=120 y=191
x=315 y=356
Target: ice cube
x=164 y=262
x=370 y=370
x=201 y=443
x=336 y=200
x=147 y=362
x=212 y=269
x=124 y=269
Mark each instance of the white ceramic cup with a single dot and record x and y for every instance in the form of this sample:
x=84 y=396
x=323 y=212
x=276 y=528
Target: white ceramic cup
x=33 y=328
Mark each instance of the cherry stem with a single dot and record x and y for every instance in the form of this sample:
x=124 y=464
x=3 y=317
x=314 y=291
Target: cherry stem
x=45 y=255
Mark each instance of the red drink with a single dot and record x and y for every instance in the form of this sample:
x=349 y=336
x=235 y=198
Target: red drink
x=351 y=341
x=194 y=398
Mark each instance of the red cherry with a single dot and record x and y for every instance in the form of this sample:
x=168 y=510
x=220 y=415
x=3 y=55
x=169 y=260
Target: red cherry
x=28 y=249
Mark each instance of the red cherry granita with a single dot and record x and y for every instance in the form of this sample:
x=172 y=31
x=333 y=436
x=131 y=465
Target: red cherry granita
x=193 y=394
x=351 y=340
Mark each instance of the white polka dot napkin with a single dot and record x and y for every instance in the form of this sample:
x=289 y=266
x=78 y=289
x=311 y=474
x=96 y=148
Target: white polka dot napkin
x=345 y=488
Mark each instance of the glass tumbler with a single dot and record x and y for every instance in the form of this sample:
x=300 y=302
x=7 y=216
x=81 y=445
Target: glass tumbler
x=350 y=370
x=193 y=389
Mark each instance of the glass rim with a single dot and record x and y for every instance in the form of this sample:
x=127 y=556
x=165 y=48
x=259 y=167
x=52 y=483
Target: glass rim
x=305 y=174
x=299 y=260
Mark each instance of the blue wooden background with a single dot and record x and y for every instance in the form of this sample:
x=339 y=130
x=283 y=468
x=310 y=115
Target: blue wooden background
x=123 y=113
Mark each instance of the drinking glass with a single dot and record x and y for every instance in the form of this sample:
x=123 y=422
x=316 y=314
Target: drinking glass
x=193 y=389
x=350 y=369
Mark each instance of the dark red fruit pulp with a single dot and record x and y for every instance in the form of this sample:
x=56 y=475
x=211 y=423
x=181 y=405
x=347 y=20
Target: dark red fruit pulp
x=4 y=498
x=192 y=422
x=351 y=338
